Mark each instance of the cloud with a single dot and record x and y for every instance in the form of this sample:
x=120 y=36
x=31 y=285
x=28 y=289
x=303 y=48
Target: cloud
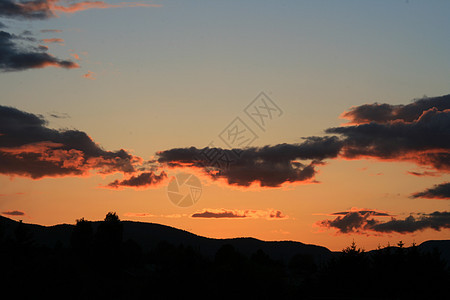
x=53 y=40
x=385 y=113
x=424 y=141
x=58 y=115
x=15 y=56
x=37 y=9
x=425 y=173
x=89 y=75
x=51 y=30
x=439 y=191
x=417 y=132
x=145 y=179
x=362 y=211
x=45 y=9
x=362 y=222
x=2 y=25
x=13 y=213
x=268 y=166
x=139 y=215
x=29 y=148
x=149 y=215
x=269 y=214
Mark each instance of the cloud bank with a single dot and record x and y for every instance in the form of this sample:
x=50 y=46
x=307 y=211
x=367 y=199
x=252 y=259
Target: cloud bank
x=268 y=166
x=363 y=222
x=29 y=148
x=418 y=132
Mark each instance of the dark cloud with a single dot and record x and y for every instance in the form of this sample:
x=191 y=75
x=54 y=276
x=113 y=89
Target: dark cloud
x=363 y=222
x=218 y=214
x=37 y=9
x=144 y=179
x=269 y=214
x=371 y=212
x=13 y=213
x=426 y=141
x=384 y=113
x=439 y=191
x=418 y=132
x=425 y=173
x=15 y=56
x=270 y=166
x=29 y=148
x=58 y=115
x=2 y=25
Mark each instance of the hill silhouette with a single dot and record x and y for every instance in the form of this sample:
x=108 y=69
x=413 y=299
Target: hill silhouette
x=114 y=259
x=149 y=235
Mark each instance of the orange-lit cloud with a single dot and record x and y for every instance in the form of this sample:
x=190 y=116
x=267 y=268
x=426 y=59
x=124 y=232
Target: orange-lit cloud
x=85 y=5
x=30 y=149
x=90 y=75
x=269 y=166
x=270 y=214
x=149 y=215
x=51 y=30
x=44 y=9
x=53 y=40
x=417 y=133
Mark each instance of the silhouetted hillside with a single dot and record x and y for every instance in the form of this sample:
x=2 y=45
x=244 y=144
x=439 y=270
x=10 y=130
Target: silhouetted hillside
x=111 y=259
x=149 y=235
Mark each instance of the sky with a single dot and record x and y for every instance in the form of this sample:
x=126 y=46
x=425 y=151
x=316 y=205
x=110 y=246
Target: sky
x=321 y=122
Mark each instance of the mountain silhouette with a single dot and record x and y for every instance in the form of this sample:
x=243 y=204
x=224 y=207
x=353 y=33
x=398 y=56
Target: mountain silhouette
x=149 y=235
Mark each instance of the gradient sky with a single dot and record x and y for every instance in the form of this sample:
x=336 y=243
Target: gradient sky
x=151 y=76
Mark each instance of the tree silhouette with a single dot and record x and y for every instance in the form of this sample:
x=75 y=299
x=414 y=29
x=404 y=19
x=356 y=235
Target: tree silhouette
x=110 y=232
x=82 y=237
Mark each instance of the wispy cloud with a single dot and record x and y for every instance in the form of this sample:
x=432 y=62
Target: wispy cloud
x=45 y=9
x=270 y=214
x=13 y=213
x=89 y=75
x=53 y=40
x=439 y=191
x=51 y=31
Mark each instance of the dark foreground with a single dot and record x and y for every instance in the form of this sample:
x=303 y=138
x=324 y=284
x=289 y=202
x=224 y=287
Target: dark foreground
x=98 y=263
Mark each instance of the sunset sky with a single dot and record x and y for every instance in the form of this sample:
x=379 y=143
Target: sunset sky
x=338 y=113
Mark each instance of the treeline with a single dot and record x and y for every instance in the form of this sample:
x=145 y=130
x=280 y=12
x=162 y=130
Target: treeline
x=99 y=264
